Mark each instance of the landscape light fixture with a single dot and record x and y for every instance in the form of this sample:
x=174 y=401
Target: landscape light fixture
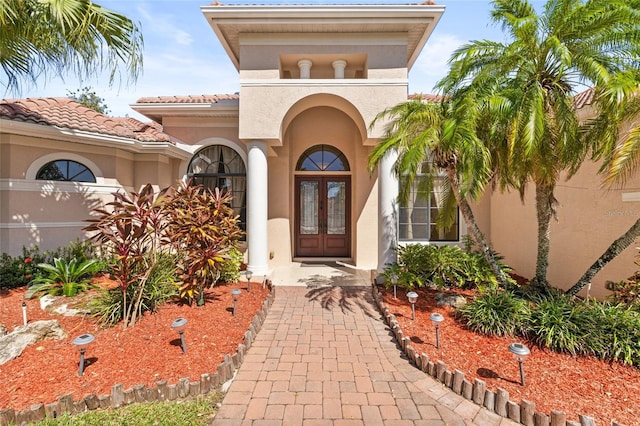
x=24 y=313
x=520 y=353
x=81 y=342
x=179 y=325
x=394 y=281
x=436 y=319
x=413 y=297
x=264 y=281
x=248 y=275
x=235 y=293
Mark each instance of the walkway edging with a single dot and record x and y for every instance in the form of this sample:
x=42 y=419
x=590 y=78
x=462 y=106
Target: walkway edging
x=476 y=392
x=120 y=397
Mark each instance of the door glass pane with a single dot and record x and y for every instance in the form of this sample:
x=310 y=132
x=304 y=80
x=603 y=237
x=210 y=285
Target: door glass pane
x=308 y=208
x=336 y=203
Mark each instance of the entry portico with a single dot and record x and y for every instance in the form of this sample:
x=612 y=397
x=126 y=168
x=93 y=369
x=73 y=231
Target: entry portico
x=312 y=78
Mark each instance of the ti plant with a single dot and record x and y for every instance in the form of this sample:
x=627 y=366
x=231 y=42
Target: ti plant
x=132 y=231
x=204 y=230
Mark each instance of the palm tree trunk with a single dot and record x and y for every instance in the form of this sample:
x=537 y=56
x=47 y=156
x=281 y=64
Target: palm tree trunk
x=545 y=205
x=474 y=230
x=617 y=247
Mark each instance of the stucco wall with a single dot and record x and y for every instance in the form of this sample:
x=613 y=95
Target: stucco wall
x=589 y=219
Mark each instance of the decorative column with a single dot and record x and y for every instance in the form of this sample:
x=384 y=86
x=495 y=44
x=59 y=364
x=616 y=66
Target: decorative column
x=387 y=211
x=257 y=208
x=338 y=68
x=305 y=68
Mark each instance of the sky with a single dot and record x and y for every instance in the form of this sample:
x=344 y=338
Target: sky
x=182 y=55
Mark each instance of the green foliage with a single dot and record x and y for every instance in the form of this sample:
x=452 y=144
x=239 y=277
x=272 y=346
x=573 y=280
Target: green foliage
x=196 y=412
x=560 y=323
x=616 y=334
x=204 y=230
x=230 y=268
x=18 y=271
x=160 y=286
x=496 y=313
x=62 y=277
x=443 y=266
x=88 y=97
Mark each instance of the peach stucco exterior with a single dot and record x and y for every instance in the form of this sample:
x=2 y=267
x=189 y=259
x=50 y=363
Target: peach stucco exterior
x=309 y=76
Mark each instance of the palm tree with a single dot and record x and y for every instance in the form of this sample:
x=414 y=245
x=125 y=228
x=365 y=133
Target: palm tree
x=549 y=57
x=438 y=139
x=37 y=37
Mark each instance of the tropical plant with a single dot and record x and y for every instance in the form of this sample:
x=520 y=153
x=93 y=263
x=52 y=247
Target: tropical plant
x=230 y=268
x=438 y=140
x=530 y=81
x=496 y=313
x=40 y=37
x=132 y=233
x=62 y=277
x=203 y=229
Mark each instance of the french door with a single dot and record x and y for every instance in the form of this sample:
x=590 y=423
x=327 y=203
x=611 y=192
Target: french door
x=323 y=216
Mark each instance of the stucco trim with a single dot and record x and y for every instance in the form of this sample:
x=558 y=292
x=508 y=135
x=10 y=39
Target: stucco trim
x=27 y=185
x=325 y=83
x=37 y=225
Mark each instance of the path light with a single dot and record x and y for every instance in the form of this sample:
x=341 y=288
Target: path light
x=248 y=275
x=81 y=342
x=520 y=352
x=179 y=325
x=436 y=319
x=413 y=297
x=264 y=281
x=24 y=313
x=235 y=293
x=394 y=281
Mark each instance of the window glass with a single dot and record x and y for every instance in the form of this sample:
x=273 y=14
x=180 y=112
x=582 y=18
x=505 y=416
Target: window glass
x=66 y=170
x=417 y=219
x=322 y=158
x=218 y=166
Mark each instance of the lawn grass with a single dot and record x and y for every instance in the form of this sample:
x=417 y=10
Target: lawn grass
x=199 y=411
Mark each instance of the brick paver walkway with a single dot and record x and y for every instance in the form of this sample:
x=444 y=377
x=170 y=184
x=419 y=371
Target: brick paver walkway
x=325 y=357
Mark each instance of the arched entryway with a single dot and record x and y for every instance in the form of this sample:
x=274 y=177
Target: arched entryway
x=322 y=203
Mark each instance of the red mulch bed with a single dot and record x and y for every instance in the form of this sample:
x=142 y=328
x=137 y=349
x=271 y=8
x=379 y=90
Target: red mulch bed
x=575 y=385
x=144 y=354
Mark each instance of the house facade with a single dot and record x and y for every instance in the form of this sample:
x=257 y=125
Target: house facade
x=291 y=146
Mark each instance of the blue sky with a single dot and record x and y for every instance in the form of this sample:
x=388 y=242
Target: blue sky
x=182 y=55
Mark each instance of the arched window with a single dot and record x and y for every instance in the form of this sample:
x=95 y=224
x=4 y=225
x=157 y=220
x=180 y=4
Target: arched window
x=218 y=166
x=322 y=158
x=66 y=170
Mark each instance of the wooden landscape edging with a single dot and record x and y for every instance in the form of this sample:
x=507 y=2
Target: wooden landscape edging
x=163 y=391
x=497 y=402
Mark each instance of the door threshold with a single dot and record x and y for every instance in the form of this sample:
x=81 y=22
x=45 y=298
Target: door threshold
x=320 y=260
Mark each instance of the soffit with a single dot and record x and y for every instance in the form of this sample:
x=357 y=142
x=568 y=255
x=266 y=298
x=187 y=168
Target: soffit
x=230 y=22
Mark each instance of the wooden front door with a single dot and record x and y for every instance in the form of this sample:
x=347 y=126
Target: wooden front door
x=323 y=216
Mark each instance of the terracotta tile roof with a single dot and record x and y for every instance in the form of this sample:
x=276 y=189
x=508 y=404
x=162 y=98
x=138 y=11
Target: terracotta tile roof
x=189 y=99
x=67 y=113
x=584 y=98
x=425 y=97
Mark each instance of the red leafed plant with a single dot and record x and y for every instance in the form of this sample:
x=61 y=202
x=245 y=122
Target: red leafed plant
x=203 y=229
x=133 y=233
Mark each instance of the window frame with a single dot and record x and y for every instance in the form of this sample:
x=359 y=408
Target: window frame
x=66 y=177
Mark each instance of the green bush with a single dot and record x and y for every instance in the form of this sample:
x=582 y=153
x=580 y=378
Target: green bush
x=108 y=306
x=230 y=268
x=19 y=271
x=560 y=323
x=443 y=266
x=496 y=313
x=63 y=277
x=616 y=335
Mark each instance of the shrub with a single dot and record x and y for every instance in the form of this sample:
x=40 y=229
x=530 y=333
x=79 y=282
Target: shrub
x=160 y=286
x=616 y=335
x=560 y=323
x=203 y=229
x=444 y=266
x=62 y=277
x=230 y=268
x=496 y=313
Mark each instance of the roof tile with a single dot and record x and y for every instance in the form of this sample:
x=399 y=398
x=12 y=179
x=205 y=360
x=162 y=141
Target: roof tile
x=189 y=99
x=67 y=113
